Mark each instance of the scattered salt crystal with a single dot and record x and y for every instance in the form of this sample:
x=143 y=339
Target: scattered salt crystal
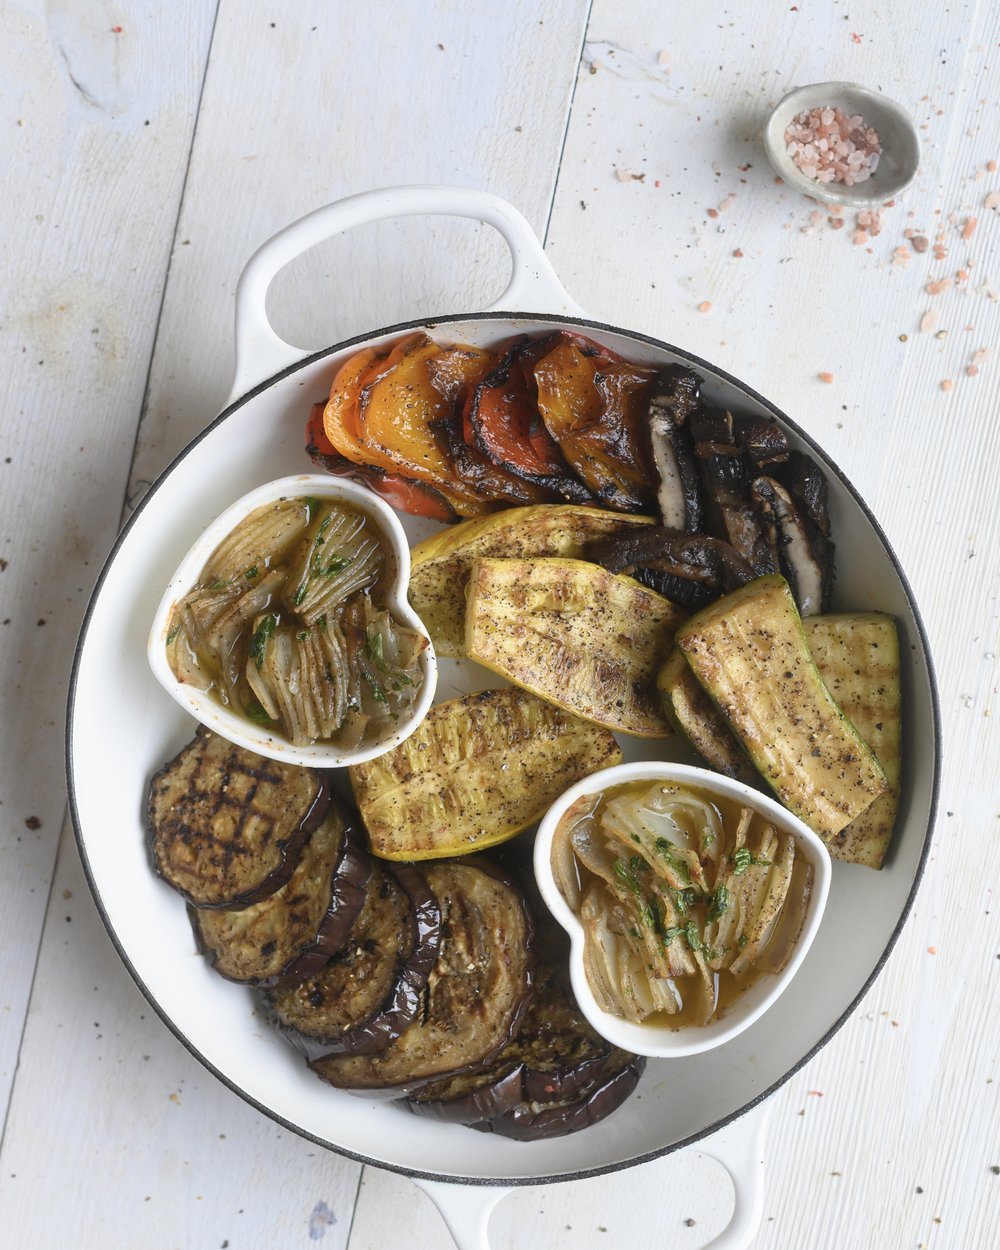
x=981 y=356
x=968 y=227
x=713 y=213
x=920 y=243
x=835 y=222
x=622 y=175
x=947 y=384
x=991 y=166
x=940 y=251
x=992 y=200
x=859 y=236
x=705 y=306
x=816 y=217
x=663 y=58
x=929 y=321
x=738 y=253
x=971 y=371
x=825 y=377
x=901 y=256
x=728 y=202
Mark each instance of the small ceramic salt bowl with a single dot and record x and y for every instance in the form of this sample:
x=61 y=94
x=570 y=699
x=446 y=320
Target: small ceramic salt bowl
x=261 y=738
x=653 y=1039
x=898 y=138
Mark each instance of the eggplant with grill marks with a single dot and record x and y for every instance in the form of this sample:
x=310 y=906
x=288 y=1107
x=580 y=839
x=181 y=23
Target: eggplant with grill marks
x=372 y=988
x=477 y=991
x=556 y=1056
x=296 y=930
x=227 y=826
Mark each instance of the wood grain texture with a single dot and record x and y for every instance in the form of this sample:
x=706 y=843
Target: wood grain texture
x=97 y=129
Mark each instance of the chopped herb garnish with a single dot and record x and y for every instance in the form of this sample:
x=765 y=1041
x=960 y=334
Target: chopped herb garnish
x=375 y=649
x=718 y=903
x=302 y=635
x=173 y=634
x=258 y=640
x=684 y=900
x=743 y=858
x=312 y=507
x=336 y=564
x=218 y=584
x=692 y=936
x=255 y=710
x=253 y=571
x=378 y=694
x=741 y=941
x=671 y=854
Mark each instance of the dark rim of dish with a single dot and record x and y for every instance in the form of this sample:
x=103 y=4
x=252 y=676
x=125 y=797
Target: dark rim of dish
x=530 y=320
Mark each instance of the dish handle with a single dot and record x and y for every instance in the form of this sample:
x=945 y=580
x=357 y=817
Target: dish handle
x=739 y=1147
x=533 y=285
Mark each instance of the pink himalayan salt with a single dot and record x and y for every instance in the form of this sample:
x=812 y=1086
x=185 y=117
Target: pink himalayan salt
x=947 y=384
x=828 y=146
x=929 y=321
x=705 y=306
x=825 y=377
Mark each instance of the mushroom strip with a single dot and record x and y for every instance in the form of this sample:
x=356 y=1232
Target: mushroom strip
x=678 y=495
x=709 y=562
x=805 y=558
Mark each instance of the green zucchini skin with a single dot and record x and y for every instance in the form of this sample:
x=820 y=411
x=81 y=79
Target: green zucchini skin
x=748 y=651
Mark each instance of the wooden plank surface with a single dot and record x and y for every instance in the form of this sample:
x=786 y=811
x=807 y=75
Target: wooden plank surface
x=97 y=129
x=890 y=1135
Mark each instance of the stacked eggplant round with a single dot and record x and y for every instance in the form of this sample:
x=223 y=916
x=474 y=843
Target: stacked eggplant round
x=421 y=983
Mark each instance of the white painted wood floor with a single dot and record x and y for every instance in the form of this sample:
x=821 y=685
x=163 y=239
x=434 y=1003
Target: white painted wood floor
x=145 y=150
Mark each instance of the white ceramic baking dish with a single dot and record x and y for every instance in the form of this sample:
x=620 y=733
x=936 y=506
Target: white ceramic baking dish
x=128 y=727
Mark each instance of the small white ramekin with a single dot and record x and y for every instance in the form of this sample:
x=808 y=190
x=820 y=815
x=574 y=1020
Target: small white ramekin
x=236 y=728
x=654 y=1040
x=900 y=140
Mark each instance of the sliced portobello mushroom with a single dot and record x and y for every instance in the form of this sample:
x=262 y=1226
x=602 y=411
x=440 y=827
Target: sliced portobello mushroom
x=689 y=569
x=227 y=826
x=555 y=1055
x=802 y=553
x=372 y=988
x=763 y=442
x=476 y=994
x=293 y=932
x=807 y=482
x=678 y=494
x=539 y=1120
x=729 y=511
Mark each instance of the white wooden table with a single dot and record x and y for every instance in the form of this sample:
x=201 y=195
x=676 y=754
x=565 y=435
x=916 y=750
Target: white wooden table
x=145 y=150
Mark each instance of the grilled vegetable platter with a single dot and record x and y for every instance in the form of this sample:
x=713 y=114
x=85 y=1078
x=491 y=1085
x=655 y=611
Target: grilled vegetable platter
x=619 y=551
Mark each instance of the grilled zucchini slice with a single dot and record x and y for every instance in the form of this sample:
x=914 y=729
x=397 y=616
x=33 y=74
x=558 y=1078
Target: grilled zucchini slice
x=476 y=771
x=749 y=652
x=584 y=639
x=441 y=564
x=858 y=657
x=699 y=722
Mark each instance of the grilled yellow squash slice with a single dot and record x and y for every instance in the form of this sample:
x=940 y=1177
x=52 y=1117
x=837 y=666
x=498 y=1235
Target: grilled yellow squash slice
x=477 y=771
x=749 y=652
x=585 y=639
x=440 y=565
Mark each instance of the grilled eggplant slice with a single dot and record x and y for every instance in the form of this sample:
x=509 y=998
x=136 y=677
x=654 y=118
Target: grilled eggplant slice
x=540 y=1120
x=227 y=826
x=584 y=639
x=293 y=932
x=372 y=988
x=749 y=652
x=475 y=772
x=441 y=564
x=555 y=1056
x=477 y=992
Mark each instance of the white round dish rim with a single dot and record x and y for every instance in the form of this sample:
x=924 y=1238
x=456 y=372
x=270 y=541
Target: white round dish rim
x=662 y=1042
x=212 y=714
